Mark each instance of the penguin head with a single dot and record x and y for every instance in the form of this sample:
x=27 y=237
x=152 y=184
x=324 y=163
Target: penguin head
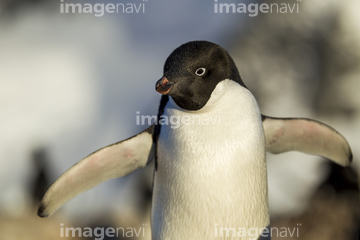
x=193 y=70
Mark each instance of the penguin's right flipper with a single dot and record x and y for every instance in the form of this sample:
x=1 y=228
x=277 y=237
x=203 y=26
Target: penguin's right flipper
x=113 y=161
x=308 y=136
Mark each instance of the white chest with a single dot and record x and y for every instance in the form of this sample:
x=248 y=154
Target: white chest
x=211 y=168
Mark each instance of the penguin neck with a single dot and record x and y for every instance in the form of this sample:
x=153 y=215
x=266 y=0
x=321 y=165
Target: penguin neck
x=230 y=102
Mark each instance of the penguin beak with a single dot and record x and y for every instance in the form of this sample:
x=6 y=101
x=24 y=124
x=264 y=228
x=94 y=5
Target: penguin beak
x=163 y=86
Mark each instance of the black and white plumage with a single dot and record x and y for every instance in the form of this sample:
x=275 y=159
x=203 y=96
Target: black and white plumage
x=210 y=171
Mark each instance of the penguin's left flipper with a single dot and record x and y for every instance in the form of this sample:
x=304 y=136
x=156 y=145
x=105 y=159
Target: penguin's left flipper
x=308 y=136
x=113 y=161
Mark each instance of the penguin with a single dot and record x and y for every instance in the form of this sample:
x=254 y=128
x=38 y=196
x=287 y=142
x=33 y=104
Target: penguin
x=210 y=174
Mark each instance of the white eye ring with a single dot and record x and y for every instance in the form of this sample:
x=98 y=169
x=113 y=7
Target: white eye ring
x=200 y=71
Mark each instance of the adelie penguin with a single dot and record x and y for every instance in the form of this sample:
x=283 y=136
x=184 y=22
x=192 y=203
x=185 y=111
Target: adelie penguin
x=208 y=175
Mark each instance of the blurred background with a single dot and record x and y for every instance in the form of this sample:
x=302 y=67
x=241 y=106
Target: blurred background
x=71 y=83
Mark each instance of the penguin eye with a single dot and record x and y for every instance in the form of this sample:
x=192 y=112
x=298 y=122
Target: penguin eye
x=200 y=71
